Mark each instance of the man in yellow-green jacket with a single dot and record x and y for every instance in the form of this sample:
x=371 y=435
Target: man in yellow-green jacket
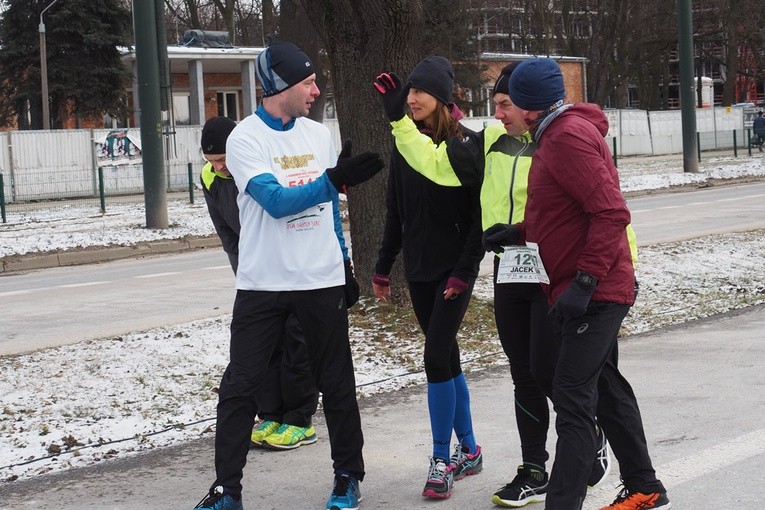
x=497 y=159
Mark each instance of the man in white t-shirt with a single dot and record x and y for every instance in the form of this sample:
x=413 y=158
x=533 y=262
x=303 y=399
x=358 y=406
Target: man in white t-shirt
x=290 y=262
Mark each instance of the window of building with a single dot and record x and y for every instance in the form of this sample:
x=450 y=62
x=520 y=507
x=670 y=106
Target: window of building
x=228 y=105
x=181 y=109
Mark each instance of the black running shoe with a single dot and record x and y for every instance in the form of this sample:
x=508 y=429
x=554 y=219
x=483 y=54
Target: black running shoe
x=528 y=486
x=601 y=465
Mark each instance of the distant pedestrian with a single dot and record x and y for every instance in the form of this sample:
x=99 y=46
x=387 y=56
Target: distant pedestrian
x=758 y=126
x=439 y=230
x=288 y=398
x=577 y=216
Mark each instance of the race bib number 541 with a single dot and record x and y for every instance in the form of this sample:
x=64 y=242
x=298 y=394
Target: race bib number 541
x=521 y=264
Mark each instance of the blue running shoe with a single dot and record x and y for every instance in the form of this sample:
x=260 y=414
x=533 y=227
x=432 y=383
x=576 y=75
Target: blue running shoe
x=219 y=499
x=346 y=494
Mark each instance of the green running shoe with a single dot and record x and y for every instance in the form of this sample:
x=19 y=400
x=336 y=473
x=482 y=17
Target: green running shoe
x=289 y=437
x=262 y=431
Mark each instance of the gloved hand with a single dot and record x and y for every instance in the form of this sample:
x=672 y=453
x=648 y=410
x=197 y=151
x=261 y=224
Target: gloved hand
x=353 y=170
x=499 y=235
x=573 y=302
x=352 y=289
x=454 y=287
x=393 y=94
x=381 y=286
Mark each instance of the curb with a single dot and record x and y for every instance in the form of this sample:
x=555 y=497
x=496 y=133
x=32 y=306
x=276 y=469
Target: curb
x=92 y=255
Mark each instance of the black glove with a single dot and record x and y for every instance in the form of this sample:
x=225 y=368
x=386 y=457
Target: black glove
x=573 y=302
x=352 y=289
x=499 y=235
x=393 y=94
x=353 y=170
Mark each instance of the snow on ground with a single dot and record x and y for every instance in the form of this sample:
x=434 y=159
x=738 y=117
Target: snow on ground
x=75 y=405
x=75 y=226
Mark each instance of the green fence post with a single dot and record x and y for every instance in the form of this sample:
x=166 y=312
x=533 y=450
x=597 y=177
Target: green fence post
x=749 y=141
x=101 y=191
x=735 y=145
x=191 y=184
x=2 y=198
x=616 y=163
x=698 y=145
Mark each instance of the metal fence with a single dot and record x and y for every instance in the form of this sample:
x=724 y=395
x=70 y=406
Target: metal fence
x=70 y=166
x=75 y=165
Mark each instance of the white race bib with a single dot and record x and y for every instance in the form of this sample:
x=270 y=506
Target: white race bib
x=521 y=264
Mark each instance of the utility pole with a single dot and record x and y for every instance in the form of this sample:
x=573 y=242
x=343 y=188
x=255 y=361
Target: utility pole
x=147 y=64
x=44 y=69
x=687 y=97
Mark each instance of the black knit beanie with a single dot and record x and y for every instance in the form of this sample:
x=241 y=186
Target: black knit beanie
x=434 y=75
x=536 y=84
x=280 y=66
x=215 y=133
x=500 y=86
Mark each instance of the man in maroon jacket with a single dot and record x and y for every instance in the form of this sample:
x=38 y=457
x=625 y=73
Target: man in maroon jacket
x=577 y=216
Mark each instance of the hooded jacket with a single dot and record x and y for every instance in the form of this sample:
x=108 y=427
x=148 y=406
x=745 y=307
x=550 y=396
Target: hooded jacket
x=575 y=211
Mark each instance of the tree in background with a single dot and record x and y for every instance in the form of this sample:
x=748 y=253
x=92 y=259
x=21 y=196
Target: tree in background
x=446 y=31
x=246 y=21
x=86 y=77
x=363 y=38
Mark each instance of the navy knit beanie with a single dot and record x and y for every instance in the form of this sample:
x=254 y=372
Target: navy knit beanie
x=500 y=86
x=215 y=133
x=280 y=66
x=536 y=84
x=434 y=75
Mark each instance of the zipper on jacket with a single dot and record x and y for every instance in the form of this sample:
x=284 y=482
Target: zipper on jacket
x=512 y=178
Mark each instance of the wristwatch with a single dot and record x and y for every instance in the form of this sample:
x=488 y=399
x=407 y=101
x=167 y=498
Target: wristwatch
x=585 y=279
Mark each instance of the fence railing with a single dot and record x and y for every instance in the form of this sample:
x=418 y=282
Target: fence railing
x=69 y=165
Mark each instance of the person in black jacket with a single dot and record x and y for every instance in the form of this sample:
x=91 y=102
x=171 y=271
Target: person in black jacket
x=287 y=400
x=439 y=230
x=758 y=126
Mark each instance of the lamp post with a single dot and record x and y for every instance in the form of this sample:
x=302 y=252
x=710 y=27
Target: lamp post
x=44 y=69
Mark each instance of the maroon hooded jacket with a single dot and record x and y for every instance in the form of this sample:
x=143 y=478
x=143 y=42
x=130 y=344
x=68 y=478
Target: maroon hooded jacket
x=576 y=211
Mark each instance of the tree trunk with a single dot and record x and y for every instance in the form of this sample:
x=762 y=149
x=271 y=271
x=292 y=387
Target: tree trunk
x=295 y=27
x=362 y=39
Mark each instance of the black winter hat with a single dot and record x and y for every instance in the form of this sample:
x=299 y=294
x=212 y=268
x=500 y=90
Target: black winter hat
x=280 y=66
x=434 y=75
x=500 y=86
x=215 y=133
x=536 y=84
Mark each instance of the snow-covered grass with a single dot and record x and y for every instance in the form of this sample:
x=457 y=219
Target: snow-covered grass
x=75 y=405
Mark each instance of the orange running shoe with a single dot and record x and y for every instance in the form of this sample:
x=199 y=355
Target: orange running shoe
x=628 y=500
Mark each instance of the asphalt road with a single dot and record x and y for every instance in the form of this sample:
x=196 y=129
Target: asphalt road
x=66 y=305
x=700 y=388
x=71 y=304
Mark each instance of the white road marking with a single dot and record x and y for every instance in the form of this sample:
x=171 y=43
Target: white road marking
x=690 y=467
x=83 y=284
x=102 y=282
x=157 y=275
x=17 y=292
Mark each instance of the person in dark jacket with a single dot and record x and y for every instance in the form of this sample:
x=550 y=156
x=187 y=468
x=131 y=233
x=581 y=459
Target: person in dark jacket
x=577 y=216
x=288 y=398
x=758 y=126
x=439 y=230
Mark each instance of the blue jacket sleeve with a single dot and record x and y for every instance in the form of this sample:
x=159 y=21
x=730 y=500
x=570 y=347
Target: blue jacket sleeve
x=339 y=226
x=279 y=201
